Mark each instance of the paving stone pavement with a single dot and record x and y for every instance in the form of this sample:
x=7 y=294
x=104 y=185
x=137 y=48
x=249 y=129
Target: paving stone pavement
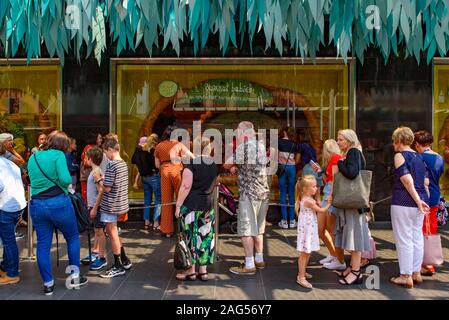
x=153 y=277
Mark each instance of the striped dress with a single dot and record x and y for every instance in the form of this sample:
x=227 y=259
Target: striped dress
x=115 y=177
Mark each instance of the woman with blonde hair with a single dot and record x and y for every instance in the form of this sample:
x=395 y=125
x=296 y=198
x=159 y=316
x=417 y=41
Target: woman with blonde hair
x=408 y=206
x=143 y=158
x=351 y=230
x=326 y=220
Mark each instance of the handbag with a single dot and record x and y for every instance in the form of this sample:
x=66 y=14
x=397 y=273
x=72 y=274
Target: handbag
x=182 y=259
x=371 y=254
x=352 y=194
x=433 y=251
x=442 y=213
x=281 y=167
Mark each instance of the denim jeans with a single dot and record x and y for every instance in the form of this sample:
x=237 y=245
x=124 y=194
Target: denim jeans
x=48 y=214
x=287 y=185
x=152 y=184
x=8 y=221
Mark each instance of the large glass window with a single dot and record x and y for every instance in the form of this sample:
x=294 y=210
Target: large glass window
x=441 y=119
x=148 y=97
x=30 y=102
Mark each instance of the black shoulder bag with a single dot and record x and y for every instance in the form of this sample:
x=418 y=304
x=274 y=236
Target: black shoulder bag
x=182 y=259
x=81 y=213
x=281 y=167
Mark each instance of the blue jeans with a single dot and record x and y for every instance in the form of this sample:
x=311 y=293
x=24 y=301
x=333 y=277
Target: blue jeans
x=8 y=221
x=287 y=185
x=152 y=184
x=48 y=214
x=326 y=195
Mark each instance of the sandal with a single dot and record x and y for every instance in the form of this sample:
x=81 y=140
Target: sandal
x=405 y=281
x=186 y=277
x=304 y=283
x=156 y=228
x=344 y=273
x=203 y=276
x=364 y=263
x=148 y=225
x=358 y=278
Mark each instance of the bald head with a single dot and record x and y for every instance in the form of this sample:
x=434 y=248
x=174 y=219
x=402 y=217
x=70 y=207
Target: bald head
x=246 y=129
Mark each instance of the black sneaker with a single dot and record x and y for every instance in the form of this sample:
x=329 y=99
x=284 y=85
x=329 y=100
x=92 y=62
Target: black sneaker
x=127 y=265
x=81 y=281
x=48 y=290
x=113 y=272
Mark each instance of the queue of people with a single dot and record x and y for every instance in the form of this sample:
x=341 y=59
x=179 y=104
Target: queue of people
x=168 y=167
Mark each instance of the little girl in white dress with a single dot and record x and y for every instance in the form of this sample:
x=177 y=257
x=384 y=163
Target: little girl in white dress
x=308 y=239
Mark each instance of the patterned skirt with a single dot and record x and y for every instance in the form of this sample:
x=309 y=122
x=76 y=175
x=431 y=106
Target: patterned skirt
x=198 y=229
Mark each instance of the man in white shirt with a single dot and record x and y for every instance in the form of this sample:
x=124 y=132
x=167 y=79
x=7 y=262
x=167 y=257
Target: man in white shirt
x=12 y=204
x=7 y=142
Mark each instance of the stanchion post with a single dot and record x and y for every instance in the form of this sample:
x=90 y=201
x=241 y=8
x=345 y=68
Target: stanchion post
x=217 y=222
x=30 y=256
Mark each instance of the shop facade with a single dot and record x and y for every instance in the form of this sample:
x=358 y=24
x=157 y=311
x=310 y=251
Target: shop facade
x=139 y=89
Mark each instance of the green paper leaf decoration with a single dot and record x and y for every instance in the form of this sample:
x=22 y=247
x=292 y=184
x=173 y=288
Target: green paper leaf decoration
x=419 y=26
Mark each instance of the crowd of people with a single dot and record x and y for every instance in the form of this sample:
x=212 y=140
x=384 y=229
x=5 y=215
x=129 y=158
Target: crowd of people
x=305 y=186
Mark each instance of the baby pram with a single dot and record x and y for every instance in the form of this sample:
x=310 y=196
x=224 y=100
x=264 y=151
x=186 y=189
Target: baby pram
x=228 y=205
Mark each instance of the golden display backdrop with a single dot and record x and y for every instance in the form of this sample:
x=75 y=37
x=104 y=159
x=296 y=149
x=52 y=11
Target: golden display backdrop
x=148 y=97
x=30 y=102
x=441 y=120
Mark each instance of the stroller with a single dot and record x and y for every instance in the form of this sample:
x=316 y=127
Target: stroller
x=228 y=203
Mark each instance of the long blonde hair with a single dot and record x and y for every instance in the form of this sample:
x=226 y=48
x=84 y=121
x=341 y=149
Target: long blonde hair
x=303 y=182
x=352 y=138
x=152 y=141
x=330 y=147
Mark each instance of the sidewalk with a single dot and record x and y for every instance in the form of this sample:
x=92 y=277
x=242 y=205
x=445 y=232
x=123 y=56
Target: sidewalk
x=153 y=277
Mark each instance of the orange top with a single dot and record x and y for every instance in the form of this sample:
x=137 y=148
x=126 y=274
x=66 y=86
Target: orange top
x=162 y=150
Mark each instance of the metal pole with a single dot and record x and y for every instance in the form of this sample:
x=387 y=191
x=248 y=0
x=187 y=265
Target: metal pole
x=30 y=256
x=217 y=222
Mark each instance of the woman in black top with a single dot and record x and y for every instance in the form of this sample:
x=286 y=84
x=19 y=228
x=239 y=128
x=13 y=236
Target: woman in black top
x=195 y=212
x=143 y=158
x=351 y=229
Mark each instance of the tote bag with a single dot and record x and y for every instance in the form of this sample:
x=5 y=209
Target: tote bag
x=352 y=194
x=433 y=252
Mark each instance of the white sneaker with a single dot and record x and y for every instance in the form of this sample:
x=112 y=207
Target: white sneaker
x=292 y=224
x=283 y=224
x=328 y=259
x=335 y=265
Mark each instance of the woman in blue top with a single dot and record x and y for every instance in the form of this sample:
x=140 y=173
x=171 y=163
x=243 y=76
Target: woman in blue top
x=307 y=157
x=435 y=166
x=408 y=206
x=287 y=157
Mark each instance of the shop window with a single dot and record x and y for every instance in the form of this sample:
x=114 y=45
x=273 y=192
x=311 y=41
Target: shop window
x=441 y=120
x=30 y=102
x=148 y=97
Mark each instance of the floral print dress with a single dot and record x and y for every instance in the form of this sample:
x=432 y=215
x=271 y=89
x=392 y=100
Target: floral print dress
x=198 y=228
x=308 y=239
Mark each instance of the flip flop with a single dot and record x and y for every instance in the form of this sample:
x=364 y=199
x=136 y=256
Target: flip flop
x=304 y=283
x=203 y=276
x=186 y=277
